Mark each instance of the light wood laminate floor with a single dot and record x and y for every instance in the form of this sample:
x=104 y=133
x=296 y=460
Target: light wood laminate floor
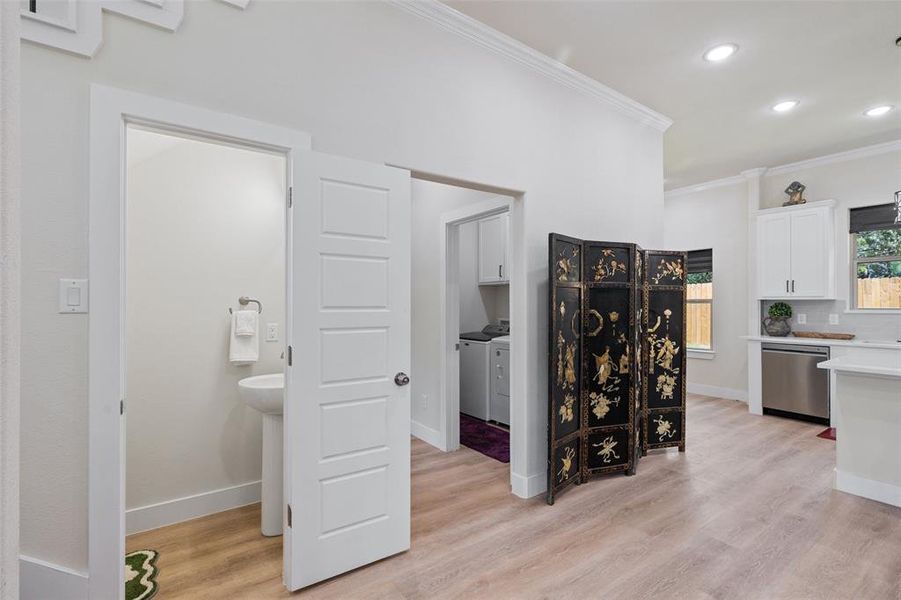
x=747 y=512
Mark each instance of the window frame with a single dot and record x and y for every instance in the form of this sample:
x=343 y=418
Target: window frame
x=855 y=262
x=701 y=349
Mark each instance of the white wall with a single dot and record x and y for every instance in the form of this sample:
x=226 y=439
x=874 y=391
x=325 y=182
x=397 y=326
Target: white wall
x=367 y=80
x=717 y=219
x=10 y=192
x=429 y=201
x=205 y=226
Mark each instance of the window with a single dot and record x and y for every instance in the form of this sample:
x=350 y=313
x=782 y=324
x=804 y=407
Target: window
x=875 y=258
x=699 y=296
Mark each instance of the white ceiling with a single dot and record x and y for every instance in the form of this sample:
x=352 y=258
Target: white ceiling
x=837 y=58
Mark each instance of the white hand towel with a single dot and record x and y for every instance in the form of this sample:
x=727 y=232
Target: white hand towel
x=243 y=349
x=245 y=322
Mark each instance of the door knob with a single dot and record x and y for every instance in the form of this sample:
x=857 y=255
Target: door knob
x=401 y=379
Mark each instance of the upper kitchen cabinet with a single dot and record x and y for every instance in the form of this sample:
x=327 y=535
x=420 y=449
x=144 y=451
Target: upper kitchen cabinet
x=493 y=239
x=796 y=251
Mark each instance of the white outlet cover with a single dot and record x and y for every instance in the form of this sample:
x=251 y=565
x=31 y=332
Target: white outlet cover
x=802 y=319
x=833 y=318
x=271 y=332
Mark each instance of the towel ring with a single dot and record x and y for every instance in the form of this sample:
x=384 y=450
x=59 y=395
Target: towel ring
x=245 y=300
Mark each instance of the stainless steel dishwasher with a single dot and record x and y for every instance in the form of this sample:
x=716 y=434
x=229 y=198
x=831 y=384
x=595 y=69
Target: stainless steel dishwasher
x=792 y=384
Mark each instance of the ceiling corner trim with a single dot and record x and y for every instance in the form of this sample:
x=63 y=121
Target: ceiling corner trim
x=819 y=161
x=468 y=28
x=702 y=187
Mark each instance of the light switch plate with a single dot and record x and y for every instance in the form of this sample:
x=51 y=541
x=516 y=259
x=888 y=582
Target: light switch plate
x=833 y=318
x=271 y=332
x=73 y=295
x=802 y=319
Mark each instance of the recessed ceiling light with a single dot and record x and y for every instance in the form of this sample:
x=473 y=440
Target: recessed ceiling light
x=785 y=106
x=721 y=52
x=878 y=111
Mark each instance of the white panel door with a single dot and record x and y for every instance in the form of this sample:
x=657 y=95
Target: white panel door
x=808 y=252
x=347 y=407
x=774 y=262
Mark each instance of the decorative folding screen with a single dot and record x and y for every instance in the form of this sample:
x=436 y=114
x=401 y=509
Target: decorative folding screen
x=594 y=381
x=663 y=406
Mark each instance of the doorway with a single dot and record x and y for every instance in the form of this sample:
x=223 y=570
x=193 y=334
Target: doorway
x=204 y=314
x=462 y=272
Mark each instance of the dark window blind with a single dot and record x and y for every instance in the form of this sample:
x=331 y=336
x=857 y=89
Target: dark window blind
x=700 y=261
x=872 y=218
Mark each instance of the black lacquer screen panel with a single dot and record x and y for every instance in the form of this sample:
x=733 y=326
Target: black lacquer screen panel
x=665 y=359
x=564 y=364
x=595 y=320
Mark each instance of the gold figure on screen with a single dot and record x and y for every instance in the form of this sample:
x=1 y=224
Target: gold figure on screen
x=672 y=269
x=567 y=460
x=566 y=409
x=604 y=367
x=667 y=351
x=666 y=384
x=624 y=361
x=607 y=452
x=567 y=265
x=664 y=429
x=600 y=404
x=560 y=343
x=607 y=265
x=569 y=369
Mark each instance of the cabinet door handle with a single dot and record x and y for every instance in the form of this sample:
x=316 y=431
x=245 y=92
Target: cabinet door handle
x=786 y=285
x=499 y=271
x=793 y=286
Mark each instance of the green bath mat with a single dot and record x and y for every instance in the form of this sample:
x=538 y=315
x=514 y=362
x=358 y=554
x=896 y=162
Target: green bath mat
x=140 y=575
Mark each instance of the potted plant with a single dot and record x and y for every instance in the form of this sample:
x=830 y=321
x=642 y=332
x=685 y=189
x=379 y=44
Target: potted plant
x=778 y=323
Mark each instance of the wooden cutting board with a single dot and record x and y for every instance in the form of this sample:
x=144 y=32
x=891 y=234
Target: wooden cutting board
x=823 y=336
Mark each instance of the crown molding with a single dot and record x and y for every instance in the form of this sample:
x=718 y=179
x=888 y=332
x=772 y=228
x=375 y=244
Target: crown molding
x=866 y=151
x=819 y=161
x=470 y=29
x=703 y=187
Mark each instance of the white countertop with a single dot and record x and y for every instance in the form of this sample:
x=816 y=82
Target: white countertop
x=855 y=343
x=504 y=339
x=884 y=365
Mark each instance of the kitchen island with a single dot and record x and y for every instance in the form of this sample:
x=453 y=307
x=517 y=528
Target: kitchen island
x=866 y=405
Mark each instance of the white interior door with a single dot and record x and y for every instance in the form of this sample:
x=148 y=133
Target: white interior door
x=347 y=407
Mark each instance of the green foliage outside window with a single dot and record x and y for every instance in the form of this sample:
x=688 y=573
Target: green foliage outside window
x=700 y=277
x=871 y=244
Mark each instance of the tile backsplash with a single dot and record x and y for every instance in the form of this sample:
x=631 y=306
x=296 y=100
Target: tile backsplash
x=864 y=326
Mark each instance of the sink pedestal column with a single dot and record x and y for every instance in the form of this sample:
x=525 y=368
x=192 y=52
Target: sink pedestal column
x=272 y=493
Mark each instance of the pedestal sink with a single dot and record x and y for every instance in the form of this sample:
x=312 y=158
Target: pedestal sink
x=266 y=393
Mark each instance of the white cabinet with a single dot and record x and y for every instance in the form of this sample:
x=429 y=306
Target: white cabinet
x=493 y=238
x=499 y=406
x=796 y=252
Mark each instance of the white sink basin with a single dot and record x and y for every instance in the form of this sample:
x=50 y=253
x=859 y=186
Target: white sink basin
x=265 y=393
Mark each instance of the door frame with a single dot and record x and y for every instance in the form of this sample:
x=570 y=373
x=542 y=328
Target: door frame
x=449 y=262
x=523 y=444
x=111 y=111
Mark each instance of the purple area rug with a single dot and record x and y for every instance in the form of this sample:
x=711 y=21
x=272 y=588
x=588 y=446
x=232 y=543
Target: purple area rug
x=489 y=440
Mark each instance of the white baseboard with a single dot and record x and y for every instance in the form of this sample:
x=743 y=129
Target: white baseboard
x=40 y=580
x=868 y=488
x=528 y=486
x=152 y=516
x=718 y=392
x=428 y=435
